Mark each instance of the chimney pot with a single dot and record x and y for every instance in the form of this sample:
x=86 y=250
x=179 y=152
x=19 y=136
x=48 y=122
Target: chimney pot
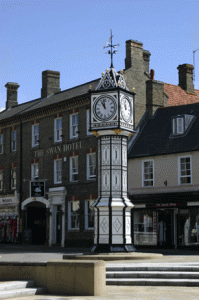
x=152 y=73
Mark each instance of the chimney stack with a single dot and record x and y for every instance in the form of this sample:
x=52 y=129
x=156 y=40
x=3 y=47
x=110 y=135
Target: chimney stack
x=12 y=88
x=50 y=83
x=186 y=77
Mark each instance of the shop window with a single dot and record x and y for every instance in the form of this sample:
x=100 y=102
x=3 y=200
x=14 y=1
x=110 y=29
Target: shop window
x=58 y=130
x=178 y=125
x=184 y=170
x=73 y=214
x=58 y=171
x=1 y=143
x=14 y=141
x=148 y=173
x=34 y=171
x=73 y=168
x=1 y=180
x=74 y=126
x=13 y=178
x=8 y=227
x=89 y=214
x=91 y=166
x=88 y=122
x=188 y=229
x=145 y=228
x=35 y=135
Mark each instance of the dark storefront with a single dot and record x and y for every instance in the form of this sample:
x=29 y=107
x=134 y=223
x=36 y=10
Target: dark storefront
x=170 y=222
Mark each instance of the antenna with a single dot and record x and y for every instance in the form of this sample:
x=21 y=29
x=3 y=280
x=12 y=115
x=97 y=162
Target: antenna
x=111 y=52
x=194 y=63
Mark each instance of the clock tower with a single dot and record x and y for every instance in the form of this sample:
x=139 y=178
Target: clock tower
x=112 y=121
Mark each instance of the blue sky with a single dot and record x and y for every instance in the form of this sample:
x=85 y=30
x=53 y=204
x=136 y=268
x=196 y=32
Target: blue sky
x=68 y=36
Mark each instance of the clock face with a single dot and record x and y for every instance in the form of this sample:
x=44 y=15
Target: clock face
x=105 y=108
x=125 y=109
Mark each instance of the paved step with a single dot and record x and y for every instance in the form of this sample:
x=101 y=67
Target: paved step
x=154 y=275
x=12 y=285
x=154 y=268
x=154 y=282
x=149 y=274
x=16 y=289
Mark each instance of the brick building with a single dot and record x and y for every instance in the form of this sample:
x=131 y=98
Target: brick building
x=48 y=156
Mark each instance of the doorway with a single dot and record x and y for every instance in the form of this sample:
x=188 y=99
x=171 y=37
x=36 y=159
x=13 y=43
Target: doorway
x=36 y=222
x=165 y=229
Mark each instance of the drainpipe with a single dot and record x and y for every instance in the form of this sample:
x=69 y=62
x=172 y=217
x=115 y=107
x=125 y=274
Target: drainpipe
x=20 y=182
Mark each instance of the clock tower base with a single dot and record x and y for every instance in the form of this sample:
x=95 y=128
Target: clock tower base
x=104 y=248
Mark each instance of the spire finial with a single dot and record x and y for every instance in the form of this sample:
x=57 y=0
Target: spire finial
x=111 y=52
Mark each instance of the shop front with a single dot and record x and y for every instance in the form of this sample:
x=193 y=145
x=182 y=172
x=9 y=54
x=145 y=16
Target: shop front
x=9 y=218
x=168 y=225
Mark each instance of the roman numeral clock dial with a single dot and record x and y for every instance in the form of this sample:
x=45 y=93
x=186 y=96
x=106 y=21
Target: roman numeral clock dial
x=105 y=108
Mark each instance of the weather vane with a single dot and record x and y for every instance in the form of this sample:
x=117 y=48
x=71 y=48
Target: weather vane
x=111 y=52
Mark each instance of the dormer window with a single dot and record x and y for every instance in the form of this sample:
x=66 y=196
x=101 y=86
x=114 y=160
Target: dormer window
x=181 y=124
x=178 y=125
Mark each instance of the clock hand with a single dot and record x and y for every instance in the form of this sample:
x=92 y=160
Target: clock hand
x=103 y=103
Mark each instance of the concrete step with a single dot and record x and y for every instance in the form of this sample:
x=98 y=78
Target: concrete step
x=13 y=285
x=154 y=268
x=153 y=282
x=150 y=274
x=16 y=289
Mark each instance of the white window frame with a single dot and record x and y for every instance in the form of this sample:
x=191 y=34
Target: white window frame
x=88 y=122
x=74 y=171
x=179 y=170
x=89 y=176
x=14 y=140
x=143 y=174
x=71 y=214
x=87 y=214
x=13 y=178
x=34 y=171
x=1 y=143
x=74 y=126
x=57 y=170
x=57 y=130
x=1 y=180
x=178 y=125
x=35 y=137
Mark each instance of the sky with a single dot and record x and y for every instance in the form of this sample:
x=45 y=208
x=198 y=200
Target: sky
x=68 y=36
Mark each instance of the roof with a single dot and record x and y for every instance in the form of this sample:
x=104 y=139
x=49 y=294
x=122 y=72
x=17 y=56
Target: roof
x=156 y=138
x=51 y=100
x=178 y=96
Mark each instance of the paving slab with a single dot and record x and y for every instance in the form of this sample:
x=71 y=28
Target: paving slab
x=132 y=293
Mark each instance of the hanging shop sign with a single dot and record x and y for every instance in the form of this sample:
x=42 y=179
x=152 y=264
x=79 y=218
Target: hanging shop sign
x=8 y=201
x=37 y=188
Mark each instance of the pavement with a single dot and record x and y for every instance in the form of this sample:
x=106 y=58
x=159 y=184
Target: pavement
x=170 y=257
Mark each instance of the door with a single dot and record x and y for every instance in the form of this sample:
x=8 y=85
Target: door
x=36 y=222
x=165 y=229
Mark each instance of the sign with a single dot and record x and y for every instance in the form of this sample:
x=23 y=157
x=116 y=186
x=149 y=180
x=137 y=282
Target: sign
x=59 y=149
x=8 y=201
x=37 y=189
x=166 y=205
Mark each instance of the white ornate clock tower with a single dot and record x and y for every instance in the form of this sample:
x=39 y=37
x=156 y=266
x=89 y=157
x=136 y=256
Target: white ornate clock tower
x=112 y=120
